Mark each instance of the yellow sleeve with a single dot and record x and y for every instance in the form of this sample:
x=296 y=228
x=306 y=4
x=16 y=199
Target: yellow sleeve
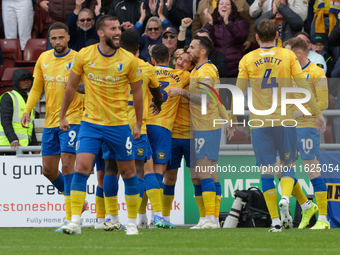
x=222 y=111
x=242 y=81
x=185 y=77
x=302 y=83
x=37 y=74
x=78 y=62
x=322 y=100
x=154 y=83
x=34 y=95
x=134 y=73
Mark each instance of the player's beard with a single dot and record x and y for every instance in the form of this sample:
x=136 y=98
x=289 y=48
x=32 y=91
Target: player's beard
x=194 y=59
x=109 y=43
x=61 y=50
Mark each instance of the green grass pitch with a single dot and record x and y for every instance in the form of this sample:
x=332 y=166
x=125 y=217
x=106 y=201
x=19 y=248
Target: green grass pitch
x=173 y=241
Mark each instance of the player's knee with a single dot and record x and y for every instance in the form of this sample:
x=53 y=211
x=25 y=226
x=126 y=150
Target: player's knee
x=83 y=168
x=50 y=172
x=128 y=173
x=170 y=180
x=67 y=169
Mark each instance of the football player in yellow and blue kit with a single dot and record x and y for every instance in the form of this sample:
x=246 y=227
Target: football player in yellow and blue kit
x=142 y=152
x=180 y=141
x=159 y=127
x=206 y=135
x=51 y=74
x=308 y=137
x=268 y=69
x=106 y=70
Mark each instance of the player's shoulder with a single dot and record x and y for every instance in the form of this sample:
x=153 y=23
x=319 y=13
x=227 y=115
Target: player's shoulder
x=84 y=50
x=48 y=53
x=126 y=54
x=73 y=52
x=207 y=69
x=316 y=71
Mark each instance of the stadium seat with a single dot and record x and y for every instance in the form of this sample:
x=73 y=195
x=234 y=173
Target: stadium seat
x=6 y=78
x=33 y=49
x=11 y=49
x=11 y=53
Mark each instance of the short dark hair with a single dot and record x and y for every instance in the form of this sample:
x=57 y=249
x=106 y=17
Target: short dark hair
x=302 y=33
x=160 y=53
x=58 y=25
x=101 y=21
x=205 y=43
x=129 y=41
x=298 y=43
x=266 y=30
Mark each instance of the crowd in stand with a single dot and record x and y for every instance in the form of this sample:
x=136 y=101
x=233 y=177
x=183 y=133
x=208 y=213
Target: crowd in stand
x=230 y=24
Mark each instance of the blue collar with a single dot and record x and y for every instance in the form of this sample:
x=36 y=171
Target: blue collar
x=303 y=68
x=202 y=65
x=267 y=47
x=104 y=54
x=60 y=56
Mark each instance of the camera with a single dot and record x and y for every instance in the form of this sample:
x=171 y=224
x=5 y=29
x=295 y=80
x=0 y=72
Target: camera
x=241 y=198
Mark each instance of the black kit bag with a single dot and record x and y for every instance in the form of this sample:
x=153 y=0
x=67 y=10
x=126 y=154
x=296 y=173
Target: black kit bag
x=255 y=212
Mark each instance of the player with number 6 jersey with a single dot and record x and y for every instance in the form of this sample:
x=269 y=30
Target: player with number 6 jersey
x=51 y=74
x=106 y=70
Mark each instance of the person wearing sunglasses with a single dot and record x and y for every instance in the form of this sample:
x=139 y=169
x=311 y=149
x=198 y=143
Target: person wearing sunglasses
x=169 y=39
x=153 y=30
x=81 y=25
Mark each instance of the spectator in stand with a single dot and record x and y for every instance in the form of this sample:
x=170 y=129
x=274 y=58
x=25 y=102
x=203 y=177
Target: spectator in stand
x=318 y=44
x=325 y=12
x=242 y=6
x=12 y=105
x=190 y=8
x=174 y=10
x=289 y=23
x=336 y=119
x=169 y=39
x=106 y=4
x=334 y=38
x=127 y=12
x=59 y=10
x=153 y=30
x=312 y=56
x=81 y=25
x=259 y=7
x=173 y=41
x=18 y=19
x=228 y=31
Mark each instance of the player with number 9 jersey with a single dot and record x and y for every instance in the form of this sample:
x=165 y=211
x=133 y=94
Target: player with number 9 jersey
x=51 y=74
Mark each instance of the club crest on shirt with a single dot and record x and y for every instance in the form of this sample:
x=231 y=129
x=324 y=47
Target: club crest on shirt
x=118 y=67
x=68 y=65
x=307 y=77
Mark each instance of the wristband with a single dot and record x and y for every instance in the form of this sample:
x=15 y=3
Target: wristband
x=182 y=29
